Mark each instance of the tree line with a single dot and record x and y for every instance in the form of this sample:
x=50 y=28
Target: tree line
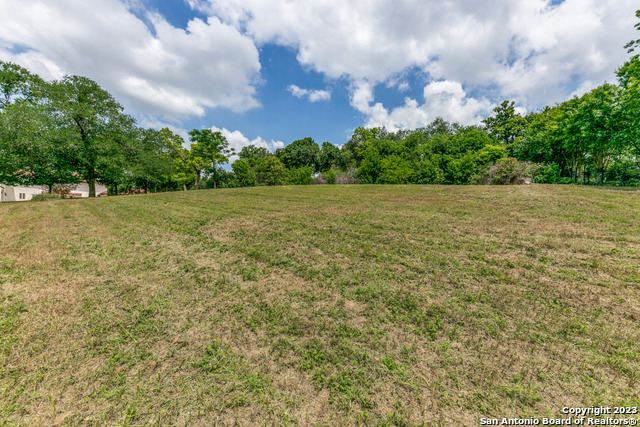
x=594 y=139
x=72 y=130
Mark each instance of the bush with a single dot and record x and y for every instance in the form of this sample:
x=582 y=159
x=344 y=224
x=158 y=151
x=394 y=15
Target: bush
x=551 y=175
x=460 y=170
x=244 y=175
x=271 y=171
x=428 y=172
x=44 y=197
x=509 y=171
x=624 y=172
x=394 y=170
x=348 y=177
x=63 y=190
x=301 y=176
x=330 y=176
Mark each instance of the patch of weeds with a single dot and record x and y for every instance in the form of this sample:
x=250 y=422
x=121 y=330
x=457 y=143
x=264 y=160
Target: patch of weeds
x=259 y=252
x=397 y=418
x=282 y=261
x=345 y=331
x=217 y=359
x=232 y=373
x=429 y=322
x=250 y=274
x=10 y=310
x=7 y=265
x=524 y=392
x=348 y=387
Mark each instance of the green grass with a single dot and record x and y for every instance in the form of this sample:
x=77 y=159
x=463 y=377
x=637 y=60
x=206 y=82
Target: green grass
x=319 y=305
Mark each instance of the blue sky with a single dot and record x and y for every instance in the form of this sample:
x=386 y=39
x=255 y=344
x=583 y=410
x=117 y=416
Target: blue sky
x=269 y=72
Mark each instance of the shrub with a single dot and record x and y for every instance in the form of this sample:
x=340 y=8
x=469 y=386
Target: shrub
x=301 y=176
x=271 y=171
x=44 y=197
x=509 y=171
x=320 y=179
x=394 y=170
x=330 y=176
x=244 y=175
x=624 y=172
x=348 y=177
x=63 y=190
x=551 y=175
x=428 y=172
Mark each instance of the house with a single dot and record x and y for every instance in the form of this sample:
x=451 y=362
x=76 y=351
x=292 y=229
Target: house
x=10 y=193
x=20 y=193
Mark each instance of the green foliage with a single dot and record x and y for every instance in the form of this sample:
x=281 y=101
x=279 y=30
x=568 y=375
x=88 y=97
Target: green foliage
x=330 y=175
x=245 y=176
x=625 y=172
x=491 y=154
x=551 y=175
x=329 y=157
x=271 y=171
x=301 y=176
x=300 y=153
x=44 y=197
x=253 y=155
x=395 y=170
x=428 y=172
x=600 y=123
x=505 y=126
x=16 y=82
x=629 y=97
x=99 y=134
x=32 y=150
x=369 y=169
x=208 y=150
x=460 y=170
x=631 y=46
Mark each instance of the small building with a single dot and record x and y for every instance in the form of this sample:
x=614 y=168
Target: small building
x=18 y=193
x=82 y=190
x=23 y=193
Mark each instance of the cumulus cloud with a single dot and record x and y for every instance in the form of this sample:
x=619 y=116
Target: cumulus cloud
x=311 y=95
x=446 y=99
x=150 y=66
x=529 y=50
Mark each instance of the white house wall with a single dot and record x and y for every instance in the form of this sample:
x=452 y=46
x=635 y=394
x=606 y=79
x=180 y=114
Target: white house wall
x=82 y=189
x=9 y=193
x=12 y=193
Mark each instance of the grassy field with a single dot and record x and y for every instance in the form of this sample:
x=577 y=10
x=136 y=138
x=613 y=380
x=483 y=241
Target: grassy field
x=328 y=305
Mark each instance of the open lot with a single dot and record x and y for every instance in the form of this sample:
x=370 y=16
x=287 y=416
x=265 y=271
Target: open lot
x=330 y=305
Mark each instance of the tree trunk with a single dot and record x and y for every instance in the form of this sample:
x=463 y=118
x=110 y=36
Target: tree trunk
x=599 y=176
x=197 y=180
x=92 y=187
x=184 y=186
x=215 y=185
x=573 y=174
x=50 y=188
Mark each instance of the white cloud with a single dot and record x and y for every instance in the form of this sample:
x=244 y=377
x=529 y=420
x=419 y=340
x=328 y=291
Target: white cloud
x=159 y=69
x=237 y=140
x=312 y=95
x=526 y=50
x=444 y=99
